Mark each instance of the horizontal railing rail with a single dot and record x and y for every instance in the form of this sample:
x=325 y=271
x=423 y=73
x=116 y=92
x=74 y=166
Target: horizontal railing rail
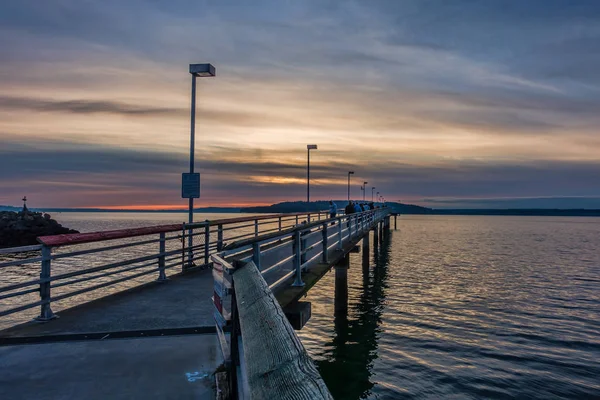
x=288 y=253
x=80 y=264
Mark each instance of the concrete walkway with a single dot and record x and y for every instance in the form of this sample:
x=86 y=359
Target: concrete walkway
x=169 y=367
x=175 y=367
x=182 y=302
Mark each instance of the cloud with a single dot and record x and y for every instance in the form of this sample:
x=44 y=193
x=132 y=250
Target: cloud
x=420 y=97
x=85 y=175
x=84 y=107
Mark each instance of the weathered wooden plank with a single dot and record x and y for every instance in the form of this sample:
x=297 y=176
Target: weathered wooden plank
x=277 y=364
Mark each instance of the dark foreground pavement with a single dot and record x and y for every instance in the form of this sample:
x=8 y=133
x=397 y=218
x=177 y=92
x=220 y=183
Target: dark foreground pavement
x=174 y=367
x=182 y=302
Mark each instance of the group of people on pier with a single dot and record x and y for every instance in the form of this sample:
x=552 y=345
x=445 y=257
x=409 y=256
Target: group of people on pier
x=351 y=208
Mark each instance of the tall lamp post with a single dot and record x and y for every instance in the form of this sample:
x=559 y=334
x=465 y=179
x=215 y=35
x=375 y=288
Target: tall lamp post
x=364 y=189
x=349 y=173
x=372 y=193
x=377 y=196
x=190 y=182
x=309 y=147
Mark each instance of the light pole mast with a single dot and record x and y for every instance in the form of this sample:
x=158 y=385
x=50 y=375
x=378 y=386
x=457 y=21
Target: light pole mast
x=349 y=173
x=190 y=182
x=309 y=147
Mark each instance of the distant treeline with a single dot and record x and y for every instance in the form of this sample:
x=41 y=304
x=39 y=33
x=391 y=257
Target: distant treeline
x=301 y=206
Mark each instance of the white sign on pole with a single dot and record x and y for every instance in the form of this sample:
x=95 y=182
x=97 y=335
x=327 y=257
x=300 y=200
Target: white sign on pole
x=190 y=185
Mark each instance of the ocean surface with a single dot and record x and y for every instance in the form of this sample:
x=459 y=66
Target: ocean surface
x=451 y=307
x=465 y=307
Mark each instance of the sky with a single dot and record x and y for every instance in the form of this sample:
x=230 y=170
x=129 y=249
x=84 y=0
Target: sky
x=442 y=103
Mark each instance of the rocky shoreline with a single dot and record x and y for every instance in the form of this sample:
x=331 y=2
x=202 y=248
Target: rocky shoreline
x=22 y=228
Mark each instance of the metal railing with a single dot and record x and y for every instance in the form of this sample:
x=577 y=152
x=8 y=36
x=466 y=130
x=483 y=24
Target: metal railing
x=280 y=259
x=281 y=255
x=79 y=265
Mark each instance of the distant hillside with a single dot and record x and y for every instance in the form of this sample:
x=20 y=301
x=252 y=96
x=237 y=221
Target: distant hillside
x=10 y=208
x=402 y=208
x=301 y=206
x=290 y=207
x=534 y=212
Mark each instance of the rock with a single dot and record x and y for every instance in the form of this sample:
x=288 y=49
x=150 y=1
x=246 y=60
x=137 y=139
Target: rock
x=23 y=228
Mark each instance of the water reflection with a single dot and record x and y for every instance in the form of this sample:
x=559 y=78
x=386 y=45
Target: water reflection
x=347 y=370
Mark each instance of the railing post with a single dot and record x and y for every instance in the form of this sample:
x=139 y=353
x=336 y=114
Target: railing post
x=296 y=219
x=280 y=224
x=206 y=242
x=255 y=228
x=302 y=248
x=340 y=246
x=161 y=258
x=325 y=257
x=350 y=227
x=46 y=313
x=256 y=254
x=220 y=237
x=297 y=260
x=183 y=247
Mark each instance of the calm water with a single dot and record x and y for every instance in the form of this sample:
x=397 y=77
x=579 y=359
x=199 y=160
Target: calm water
x=466 y=307
x=451 y=307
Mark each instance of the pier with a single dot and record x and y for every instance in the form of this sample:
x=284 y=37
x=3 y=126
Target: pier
x=183 y=309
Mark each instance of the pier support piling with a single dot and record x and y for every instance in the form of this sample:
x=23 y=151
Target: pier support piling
x=341 y=286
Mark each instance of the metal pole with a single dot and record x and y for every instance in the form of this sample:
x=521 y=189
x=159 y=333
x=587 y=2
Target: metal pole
x=256 y=254
x=206 y=243
x=325 y=244
x=308 y=185
x=340 y=247
x=161 y=258
x=348 y=187
x=46 y=313
x=297 y=260
x=220 y=237
x=192 y=146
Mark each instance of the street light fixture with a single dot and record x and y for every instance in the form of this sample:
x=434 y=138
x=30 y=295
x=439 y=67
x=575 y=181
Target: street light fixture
x=349 y=173
x=377 y=196
x=364 y=189
x=190 y=182
x=372 y=191
x=309 y=147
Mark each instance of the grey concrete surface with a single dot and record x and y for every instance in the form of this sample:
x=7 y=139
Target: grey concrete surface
x=174 y=367
x=183 y=301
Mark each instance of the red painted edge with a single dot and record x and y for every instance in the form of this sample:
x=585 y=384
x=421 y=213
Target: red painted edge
x=79 y=238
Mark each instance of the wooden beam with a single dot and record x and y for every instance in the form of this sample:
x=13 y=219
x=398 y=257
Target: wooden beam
x=277 y=365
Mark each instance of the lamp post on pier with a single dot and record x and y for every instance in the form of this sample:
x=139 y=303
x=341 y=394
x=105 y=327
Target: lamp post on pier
x=372 y=191
x=364 y=189
x=349 y=173
x=309 y=147
x=190 y=182
x=377 y=196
